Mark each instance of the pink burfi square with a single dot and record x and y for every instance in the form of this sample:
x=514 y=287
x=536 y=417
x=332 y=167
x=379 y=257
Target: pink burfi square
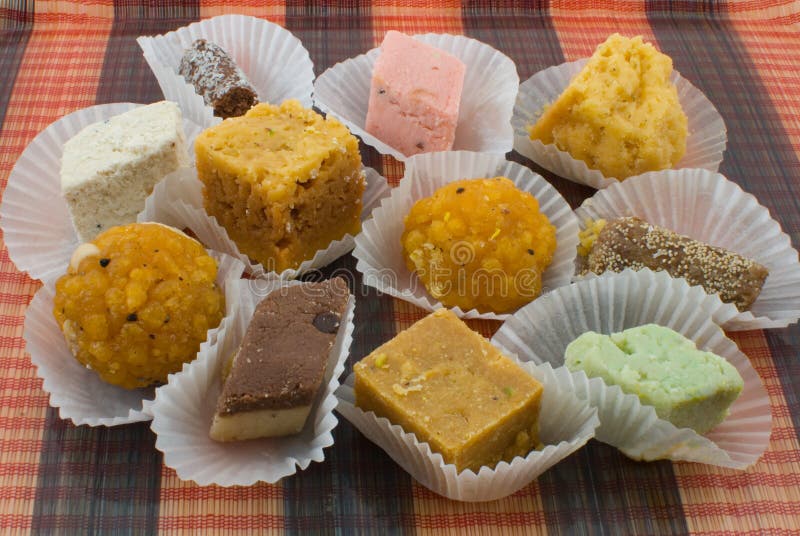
x=414 y=98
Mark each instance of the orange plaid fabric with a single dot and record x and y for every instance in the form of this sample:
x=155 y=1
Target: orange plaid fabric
x=59 y=56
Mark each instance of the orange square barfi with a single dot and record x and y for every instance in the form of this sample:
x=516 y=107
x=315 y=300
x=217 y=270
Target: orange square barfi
x=451 y=388
x=282 y=180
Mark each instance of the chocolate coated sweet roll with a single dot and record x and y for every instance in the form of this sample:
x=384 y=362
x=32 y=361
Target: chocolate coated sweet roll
x=218 y=79
x=633 y=243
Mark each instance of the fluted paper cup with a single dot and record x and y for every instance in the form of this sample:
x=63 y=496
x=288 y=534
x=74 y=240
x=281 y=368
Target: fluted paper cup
x=183 y=410
x=490 y=88
x=34 y=216
x=178 y=201
x=78 y=392
x=541 y=331
x=565 y=425
x=378 y=249
x=705 y=143
x=272 y=58
x=708 y=207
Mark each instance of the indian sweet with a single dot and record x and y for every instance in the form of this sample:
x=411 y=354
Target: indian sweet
x=414 y=96
x=283 y=181
x=110 y=167
x=137 y=302
x=690 y=388
x=620 y=114
x=631 y=242
x=280 y=365
x=479 y=244
x=217 y=78
x=447 y=385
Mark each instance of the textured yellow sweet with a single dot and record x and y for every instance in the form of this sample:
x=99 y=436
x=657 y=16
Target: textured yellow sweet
x=621 y=113
x=282 y=180
x=479 y=243
x=451 y=388
x=587 y=237
x=137 y=307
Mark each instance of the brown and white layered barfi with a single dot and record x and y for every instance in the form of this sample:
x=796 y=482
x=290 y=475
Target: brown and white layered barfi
x=280 y=365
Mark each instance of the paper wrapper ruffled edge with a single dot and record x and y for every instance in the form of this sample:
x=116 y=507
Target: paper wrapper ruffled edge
x=273 y=59
x=565 y=425
x=706 y=206
x=79 y=393
x=378 y=245
x=37 y=227
x=541 y=331
x=487 y=100
x=705 y=143
x=183 y=411
x=178 y=201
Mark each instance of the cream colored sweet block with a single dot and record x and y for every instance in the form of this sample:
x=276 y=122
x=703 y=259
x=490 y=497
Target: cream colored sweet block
x=109 y=168
x=259 y=423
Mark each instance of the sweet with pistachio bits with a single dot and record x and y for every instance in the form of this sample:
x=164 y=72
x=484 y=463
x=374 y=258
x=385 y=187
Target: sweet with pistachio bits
x=451 y=388
x=283 y=181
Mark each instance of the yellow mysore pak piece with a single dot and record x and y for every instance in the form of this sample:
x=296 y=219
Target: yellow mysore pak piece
x=621 y=114
x=451 y=388
x=283 y=181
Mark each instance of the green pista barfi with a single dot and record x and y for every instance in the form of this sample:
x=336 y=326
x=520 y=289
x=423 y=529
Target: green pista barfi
x=690 y=388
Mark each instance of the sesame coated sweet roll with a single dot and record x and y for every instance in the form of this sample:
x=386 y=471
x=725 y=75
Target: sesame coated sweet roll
x=631 y=242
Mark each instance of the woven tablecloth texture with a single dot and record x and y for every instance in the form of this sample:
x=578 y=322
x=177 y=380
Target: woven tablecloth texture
x=59 y=56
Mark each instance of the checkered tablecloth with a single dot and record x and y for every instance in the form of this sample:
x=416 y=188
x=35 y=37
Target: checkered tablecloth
x=59 y=56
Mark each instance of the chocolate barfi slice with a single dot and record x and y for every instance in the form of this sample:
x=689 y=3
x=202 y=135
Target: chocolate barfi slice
x=280 y=365
x=217 y=78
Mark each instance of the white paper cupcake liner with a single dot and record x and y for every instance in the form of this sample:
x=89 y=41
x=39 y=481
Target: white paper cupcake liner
x=565 y=425
x=36 y=224
x=541 y=331
x=708 y=207
x=272 y=58
x=178 y=201
x=183 y=411
x=490 y=88
x=705 y=143
x=79 y=393
x=378 y=250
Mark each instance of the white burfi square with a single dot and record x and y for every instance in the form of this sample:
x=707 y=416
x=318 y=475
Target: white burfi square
x=415 y=95
x=109 y=168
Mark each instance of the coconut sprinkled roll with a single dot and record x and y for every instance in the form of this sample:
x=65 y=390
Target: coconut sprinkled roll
x=633 y=243
x=217 y=78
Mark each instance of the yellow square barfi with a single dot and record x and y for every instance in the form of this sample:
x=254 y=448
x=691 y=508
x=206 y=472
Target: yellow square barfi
x=282 y=180
x=451 y=388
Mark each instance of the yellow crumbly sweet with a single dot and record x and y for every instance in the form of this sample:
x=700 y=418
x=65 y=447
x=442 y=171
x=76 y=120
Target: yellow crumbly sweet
x=479 y=243
x=447 y=385
x=282 y=180
x=621 y=114
x=587 y=237
x=136 y=303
